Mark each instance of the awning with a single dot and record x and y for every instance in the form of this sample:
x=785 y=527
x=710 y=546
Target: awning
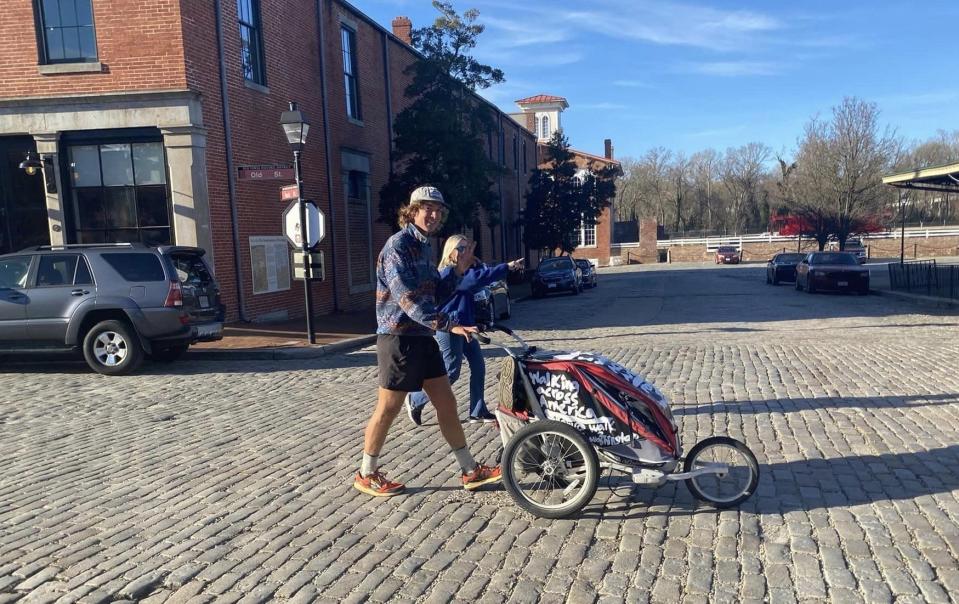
x=937 y=178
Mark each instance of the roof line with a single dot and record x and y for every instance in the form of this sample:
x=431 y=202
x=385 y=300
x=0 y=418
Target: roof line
x=921 y=173
x=416 y=53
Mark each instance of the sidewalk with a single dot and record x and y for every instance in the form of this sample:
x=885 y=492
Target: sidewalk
x=287 y=339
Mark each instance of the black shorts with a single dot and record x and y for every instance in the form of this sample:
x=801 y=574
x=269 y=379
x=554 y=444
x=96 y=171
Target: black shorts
x=405 y=362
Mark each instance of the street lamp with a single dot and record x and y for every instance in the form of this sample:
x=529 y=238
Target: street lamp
x=295 y=127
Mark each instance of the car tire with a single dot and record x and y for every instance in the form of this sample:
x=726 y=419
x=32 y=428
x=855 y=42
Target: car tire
x=809 y=286
x=168 y=354
x=768 y=280
x=775 y=280
x=112 y=348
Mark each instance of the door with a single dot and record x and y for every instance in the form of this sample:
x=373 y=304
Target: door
x=23 y=204
x=13 y=299
x=62 y=283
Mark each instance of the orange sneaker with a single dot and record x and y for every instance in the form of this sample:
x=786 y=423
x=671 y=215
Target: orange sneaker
x=480 y=476
x=377 y=485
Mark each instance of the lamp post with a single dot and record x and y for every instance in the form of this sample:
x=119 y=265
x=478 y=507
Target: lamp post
x=296 y=128
x=902 y=229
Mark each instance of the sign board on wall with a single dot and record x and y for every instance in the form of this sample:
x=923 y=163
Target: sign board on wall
x=265 y=172
x=270 y=263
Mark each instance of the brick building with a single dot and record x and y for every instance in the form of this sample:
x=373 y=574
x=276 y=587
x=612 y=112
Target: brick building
x=146 y=116
x=542 y=114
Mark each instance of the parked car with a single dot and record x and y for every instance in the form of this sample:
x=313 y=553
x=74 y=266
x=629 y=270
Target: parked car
x=727 y=254
x=588 y=272
x=114 y=302
x=853 y=246
x=557 y=275
x=832 y=271
x=492 y=303
x=782 y=267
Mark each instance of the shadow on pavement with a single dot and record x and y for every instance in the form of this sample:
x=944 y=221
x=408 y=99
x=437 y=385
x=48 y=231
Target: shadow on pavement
x=828 y=402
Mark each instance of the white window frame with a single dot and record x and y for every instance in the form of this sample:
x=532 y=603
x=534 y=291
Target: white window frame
x=584 y=229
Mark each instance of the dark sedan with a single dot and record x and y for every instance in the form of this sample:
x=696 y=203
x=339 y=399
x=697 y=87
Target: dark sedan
x=832 y=271
x=589 y=272
x=783 y=267
x=556 y=275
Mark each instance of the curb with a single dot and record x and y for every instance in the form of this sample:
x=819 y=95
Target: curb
x=279 y=353
x=933 y=301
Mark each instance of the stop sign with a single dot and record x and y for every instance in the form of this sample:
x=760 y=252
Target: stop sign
x=315 y=224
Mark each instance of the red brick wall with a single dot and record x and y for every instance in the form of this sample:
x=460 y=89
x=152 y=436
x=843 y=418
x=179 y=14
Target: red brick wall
x=140 y=45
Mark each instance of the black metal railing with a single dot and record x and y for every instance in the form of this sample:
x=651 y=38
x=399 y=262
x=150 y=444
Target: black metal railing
x=925 y=277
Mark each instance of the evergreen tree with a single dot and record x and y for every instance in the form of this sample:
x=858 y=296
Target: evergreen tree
x=440 y=138
x=562 y=197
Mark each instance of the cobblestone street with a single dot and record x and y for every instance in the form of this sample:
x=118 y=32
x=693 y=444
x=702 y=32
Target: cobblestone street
x=231 y=481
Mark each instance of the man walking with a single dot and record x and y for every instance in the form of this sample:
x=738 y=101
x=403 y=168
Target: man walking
x=407 y=289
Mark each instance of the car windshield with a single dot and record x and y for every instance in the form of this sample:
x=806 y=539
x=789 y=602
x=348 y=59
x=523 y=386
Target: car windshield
x=583 y=264
x=727 y=250
x=787 y=258
x=837 y=258
x=555 y=264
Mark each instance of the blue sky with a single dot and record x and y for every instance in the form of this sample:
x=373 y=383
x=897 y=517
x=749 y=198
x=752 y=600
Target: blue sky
x=694 y=75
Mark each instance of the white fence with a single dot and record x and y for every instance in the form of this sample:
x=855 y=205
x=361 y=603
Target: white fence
x=712 y=243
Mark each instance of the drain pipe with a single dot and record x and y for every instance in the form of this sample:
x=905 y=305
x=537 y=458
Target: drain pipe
x=326 y=148
x=230 y=173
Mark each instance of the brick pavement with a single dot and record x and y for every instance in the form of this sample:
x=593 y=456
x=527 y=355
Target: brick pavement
x=229 y=481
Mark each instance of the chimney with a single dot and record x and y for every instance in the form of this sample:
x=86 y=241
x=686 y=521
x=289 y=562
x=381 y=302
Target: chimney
x=608 y=144
x=402 y=28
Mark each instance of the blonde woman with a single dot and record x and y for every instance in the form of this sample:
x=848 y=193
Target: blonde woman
x=454 y=346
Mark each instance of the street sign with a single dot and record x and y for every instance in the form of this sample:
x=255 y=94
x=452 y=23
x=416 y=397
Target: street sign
x=265 y=172
x=315 y=224
x=289 y=192
x=317 y=267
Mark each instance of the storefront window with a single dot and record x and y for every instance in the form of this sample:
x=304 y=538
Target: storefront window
x=120 y=193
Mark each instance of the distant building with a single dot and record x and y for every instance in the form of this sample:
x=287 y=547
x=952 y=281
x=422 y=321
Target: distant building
x=542 y=114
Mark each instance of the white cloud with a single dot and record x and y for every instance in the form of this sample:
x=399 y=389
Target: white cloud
x=673 y=23
x=732 y=69
x=632 y=84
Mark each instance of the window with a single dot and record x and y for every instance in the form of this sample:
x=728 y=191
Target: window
x=251 y=41
x=119 y=193
x=359 y=228
x=66 y=31
x=137 y=267
x=502 y=148
x=348 y=38
x=13 y=271
x=56 y=270
x=587 y=234
x=515 y=154
x=545 y=129
x=525 y=166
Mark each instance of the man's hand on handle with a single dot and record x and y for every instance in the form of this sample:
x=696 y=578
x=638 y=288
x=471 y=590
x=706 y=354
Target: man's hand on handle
x=466 y=332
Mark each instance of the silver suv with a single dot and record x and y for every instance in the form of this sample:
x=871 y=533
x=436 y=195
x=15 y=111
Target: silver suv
x=115 y=302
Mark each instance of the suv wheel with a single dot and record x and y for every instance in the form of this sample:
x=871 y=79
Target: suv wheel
x=169 y=353
x=112 y=348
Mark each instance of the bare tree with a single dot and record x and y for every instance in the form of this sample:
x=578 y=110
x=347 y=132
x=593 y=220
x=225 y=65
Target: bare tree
x=860 y=154
x=742 y=173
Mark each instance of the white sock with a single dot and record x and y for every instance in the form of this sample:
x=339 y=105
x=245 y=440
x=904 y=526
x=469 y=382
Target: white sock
x=466 y=461
x=370 y=464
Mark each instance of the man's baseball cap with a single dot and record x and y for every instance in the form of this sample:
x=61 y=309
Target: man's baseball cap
x=428 y=193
